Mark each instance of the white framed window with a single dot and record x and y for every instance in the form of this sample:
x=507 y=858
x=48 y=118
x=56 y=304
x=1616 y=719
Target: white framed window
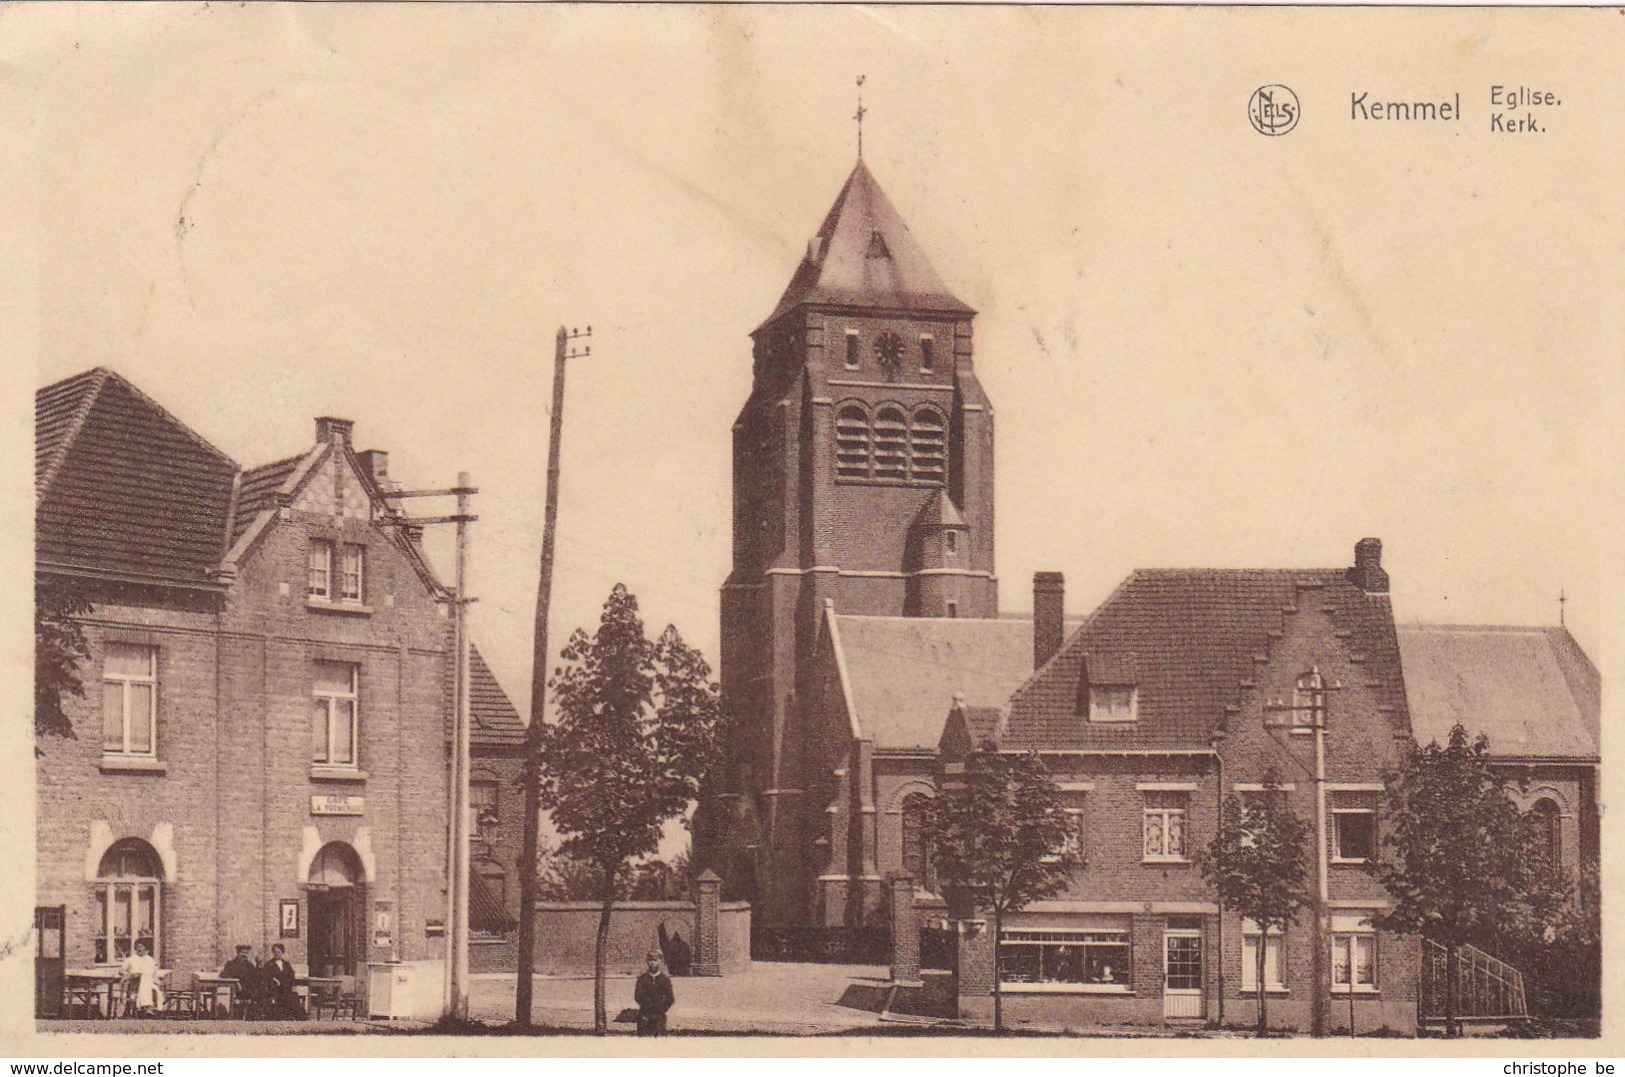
x=1354 y=953
x=130 y=700
x=1165 y=812
x=1251 y=939
x=128 y=890
x=1354 y=827
x=1109 y=703
x=334 y=720
x=319 y=579
x=351 y=582
x=1097 y=958
x=1074 y=805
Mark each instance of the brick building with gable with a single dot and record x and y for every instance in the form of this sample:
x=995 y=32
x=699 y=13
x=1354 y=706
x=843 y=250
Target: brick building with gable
x=1184 y=687
x=261 y=753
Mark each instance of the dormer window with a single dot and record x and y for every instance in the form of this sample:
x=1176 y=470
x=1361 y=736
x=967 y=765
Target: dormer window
x=950 y=543
x=1112 y=703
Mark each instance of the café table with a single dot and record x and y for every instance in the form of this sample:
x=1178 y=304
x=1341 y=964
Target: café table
x=95 y=987
x=318 y=990
x=220 y=993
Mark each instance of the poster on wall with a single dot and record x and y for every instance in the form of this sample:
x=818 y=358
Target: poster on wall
x=383 y=923
x=290 y=918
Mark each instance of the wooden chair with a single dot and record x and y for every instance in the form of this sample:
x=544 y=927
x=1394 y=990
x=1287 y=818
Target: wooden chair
x=324 y=995
x=349 y=998
x=181 y=993
x=81 y=998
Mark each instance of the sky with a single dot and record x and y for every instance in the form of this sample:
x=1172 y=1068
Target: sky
x=1204 y=347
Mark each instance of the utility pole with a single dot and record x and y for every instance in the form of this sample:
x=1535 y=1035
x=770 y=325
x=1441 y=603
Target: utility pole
x=456 y=975
x=1321 y=1000
x=1310 y=700
x=563 y=350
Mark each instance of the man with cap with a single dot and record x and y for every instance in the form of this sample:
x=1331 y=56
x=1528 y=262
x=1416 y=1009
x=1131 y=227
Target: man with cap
x=246 y=974
x=654 y=997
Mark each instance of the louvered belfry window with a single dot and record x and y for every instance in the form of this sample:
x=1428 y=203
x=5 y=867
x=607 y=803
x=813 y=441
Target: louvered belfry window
x=928 y=443
x=891 y=444
x=852 y=443
x=891 y=447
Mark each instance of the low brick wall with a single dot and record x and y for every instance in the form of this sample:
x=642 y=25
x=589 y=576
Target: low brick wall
x=567 y=931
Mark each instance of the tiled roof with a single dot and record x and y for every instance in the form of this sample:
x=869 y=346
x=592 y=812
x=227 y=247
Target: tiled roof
x=257 y=491
x=124 y=487
x=905 y=671
x=496 y=721
x=58 y=410
x=1189 y=638
x=865 y=256
x=1531 y=690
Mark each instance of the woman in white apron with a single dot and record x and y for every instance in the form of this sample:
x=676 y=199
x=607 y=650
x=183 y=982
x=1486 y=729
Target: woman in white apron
x=142 y=968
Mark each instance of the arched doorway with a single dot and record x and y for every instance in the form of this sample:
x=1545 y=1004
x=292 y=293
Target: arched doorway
x=336 y=894
x=128 y=890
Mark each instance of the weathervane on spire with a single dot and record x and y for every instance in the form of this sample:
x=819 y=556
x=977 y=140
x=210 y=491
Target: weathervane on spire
x=859 y=116
x=1562 y=601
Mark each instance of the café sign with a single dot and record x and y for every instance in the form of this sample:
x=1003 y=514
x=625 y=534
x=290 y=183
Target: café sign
x=331 y=804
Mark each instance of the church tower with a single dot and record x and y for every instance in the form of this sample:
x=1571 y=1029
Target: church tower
x=862 y=476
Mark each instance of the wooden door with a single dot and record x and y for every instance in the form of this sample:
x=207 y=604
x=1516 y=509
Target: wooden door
x=49 y=959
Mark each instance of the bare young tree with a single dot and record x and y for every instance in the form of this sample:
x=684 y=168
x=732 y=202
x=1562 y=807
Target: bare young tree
x=635 y=736
x=1258 y=863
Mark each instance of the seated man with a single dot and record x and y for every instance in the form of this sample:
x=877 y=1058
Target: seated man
x=242 y=969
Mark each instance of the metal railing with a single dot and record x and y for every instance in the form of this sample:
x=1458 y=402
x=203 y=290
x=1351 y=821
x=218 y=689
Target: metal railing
x=1487 y=988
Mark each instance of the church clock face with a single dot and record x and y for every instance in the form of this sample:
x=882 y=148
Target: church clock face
x=889 y=350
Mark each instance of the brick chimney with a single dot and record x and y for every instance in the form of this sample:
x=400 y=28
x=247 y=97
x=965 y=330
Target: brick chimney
x=1049 y=615
x=1367 y=571
x=337 y=431
x=376 y=464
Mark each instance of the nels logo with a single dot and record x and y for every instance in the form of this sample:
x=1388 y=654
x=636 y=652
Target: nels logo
x=1273 y=110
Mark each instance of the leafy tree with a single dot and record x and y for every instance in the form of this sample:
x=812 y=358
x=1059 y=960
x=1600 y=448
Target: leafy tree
x=560 y=877
x=635 y=735
x=1457 y=860
x=59 y=650
x=1001 y=838
x=1563 y=966
x=1259 y=864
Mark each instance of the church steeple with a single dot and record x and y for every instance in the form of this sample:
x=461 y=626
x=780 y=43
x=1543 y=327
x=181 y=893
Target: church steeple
x=865 y=256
